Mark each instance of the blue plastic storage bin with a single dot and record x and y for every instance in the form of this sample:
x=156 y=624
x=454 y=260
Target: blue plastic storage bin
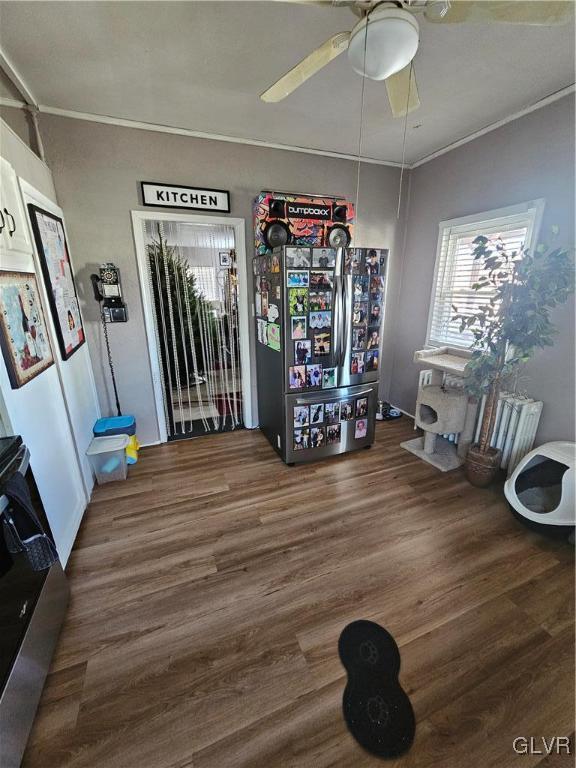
x=115 y=425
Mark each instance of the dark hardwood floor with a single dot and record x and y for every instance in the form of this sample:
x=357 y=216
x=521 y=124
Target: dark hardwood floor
x=209 y=591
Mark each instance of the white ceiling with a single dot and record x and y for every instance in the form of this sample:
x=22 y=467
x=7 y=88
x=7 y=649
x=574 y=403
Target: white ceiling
x=202 y=65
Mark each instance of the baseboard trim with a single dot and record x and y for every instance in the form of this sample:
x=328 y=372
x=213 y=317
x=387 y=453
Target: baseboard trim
x=66 y=546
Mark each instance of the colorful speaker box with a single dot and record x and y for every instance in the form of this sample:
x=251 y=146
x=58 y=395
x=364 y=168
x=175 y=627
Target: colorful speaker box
x=286 y=219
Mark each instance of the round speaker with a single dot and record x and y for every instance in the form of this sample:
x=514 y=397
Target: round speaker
x=276 y=233
x=338 y=237
x=277 y=209
x=339 y=213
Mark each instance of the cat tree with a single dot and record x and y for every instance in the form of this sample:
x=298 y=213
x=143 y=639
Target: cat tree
x=443 y=408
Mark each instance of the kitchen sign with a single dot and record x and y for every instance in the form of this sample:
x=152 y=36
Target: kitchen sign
x=178 y=196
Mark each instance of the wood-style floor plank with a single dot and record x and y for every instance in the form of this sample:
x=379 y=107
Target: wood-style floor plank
x=209 y=591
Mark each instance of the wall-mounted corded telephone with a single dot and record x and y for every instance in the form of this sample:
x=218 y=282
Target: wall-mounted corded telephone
x=108 y=294
x=107 y=290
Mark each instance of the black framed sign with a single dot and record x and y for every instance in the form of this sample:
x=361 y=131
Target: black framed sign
x=54 y=258
x=160 y=195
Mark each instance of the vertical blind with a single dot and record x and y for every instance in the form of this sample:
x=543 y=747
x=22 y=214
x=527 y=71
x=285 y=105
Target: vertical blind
x=456 y=272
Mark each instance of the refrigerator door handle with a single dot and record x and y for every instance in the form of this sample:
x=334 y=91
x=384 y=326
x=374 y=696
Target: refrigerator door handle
x=337 y=319
x=344 y=322
x=311 y=401
x=326 y=396
x=362 y=392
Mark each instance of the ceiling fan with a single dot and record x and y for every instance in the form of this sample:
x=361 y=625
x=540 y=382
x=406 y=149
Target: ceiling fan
x=383 y=43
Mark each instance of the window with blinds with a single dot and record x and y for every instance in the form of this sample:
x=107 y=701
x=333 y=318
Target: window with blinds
x=456 y=271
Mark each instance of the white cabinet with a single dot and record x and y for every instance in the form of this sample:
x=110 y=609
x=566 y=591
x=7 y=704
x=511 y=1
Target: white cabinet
x=15 y=245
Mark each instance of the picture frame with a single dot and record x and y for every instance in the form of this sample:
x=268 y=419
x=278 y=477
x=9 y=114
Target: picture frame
x=314 y=375
x=299 y=327
x=322 y=343
x=297 y=301
x=297 y=278
x=225 y=258
x=301 y=416
x=320 y=320
x=302 y=352
x=324 y=258
x=316 y=414
x=54 y=256
x=301 y=439
x=333 y=433
x=24 y=335
x=298 y=258
x=297 y=376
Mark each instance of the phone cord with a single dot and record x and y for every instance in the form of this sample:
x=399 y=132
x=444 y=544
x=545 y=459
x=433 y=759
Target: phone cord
x=110 y=363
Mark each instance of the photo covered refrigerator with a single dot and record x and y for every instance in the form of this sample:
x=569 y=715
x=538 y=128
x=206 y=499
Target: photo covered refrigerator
x=319 y=315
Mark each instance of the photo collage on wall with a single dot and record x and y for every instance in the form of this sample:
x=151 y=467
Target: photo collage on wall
x=310 y=284
x=320 y=424
x=368 y=270
x=267 y=300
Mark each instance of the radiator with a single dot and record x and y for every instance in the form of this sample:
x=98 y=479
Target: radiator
x=517 y=419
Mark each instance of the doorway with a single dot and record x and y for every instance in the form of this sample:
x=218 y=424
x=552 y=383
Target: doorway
x=193 y=287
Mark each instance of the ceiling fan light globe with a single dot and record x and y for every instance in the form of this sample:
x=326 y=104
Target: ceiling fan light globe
x=392 y=42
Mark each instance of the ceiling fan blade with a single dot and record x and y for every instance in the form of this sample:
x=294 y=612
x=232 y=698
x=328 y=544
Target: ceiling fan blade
x=403 y=91
x=326 y=3
x=537 y=12
x=313 y=63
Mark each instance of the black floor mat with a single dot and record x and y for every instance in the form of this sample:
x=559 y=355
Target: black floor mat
x=377 y=711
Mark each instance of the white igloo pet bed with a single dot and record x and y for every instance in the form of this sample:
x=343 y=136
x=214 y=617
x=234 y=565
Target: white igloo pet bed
x=541 y=488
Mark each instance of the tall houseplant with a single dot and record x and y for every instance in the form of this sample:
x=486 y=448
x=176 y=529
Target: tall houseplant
x=508 y=329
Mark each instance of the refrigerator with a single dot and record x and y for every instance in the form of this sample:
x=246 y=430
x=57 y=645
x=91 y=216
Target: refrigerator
x=318 y=329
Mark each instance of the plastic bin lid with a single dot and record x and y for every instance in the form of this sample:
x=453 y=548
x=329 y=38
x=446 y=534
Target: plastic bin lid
x=107 y=444
x=113 y=422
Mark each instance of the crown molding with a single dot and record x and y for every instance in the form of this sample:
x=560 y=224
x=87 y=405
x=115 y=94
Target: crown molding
x=174 y=130
x=14 y=103
x=494 y=126
x=159 y=128
x=17 y=80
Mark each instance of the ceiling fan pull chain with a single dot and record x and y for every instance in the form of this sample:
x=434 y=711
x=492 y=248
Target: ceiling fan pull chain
x=404 y=140
x=357 y=219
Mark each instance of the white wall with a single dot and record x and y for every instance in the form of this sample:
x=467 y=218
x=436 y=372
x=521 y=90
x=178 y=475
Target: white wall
x=38 y=411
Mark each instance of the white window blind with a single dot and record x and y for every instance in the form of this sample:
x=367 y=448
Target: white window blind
x=456 y=270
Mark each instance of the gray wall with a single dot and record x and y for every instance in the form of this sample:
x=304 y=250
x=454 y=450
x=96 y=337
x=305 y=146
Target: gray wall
x=529 y=158
x=97 y=169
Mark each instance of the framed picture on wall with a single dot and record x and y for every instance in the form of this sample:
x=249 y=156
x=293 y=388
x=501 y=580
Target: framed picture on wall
x=23 y=333
x=57 y=272
x=225 y=259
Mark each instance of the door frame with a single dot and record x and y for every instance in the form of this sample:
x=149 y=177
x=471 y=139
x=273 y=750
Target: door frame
x=239 y=226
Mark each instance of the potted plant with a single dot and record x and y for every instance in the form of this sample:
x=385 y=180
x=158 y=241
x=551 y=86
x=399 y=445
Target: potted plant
x=521 y=288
